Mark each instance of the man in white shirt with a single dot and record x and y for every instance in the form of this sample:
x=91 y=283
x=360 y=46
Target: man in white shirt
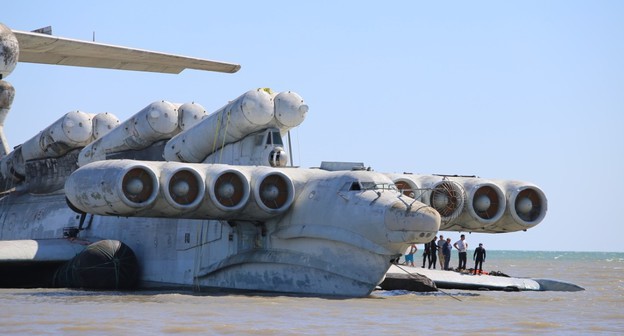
x=462 y=246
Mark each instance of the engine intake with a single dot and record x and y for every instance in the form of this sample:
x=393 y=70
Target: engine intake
x=447 y=197
x=487 y=202
x=229 y=190
x=274 y=192
x=185 y=188
x=528 y=205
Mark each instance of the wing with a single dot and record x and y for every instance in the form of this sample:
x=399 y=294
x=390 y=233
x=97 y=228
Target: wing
x=43 y=250
x=47 y=49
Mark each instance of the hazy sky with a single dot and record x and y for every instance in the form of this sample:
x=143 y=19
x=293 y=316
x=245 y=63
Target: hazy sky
x=523 y=90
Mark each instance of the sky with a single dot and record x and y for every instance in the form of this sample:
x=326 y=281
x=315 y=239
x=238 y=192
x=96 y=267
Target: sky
x=522 y=90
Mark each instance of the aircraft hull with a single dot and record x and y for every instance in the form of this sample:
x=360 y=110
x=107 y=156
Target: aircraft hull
x=212 y=254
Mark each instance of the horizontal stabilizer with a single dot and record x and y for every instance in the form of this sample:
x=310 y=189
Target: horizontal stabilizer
x=47 y=49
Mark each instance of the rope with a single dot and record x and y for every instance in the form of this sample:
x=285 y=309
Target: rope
x=412 y=276
x=227 y=123
x=216 y=136
x=198 y=255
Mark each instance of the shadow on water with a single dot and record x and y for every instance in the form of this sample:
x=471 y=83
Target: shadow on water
x=77 y=293
x=392 y=293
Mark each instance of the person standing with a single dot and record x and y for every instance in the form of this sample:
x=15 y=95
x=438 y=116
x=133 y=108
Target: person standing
x=433 y=252
x=462 y=246
x=409 y=257
x=479 y=257
x=447 y=248
x=426 y=254
x=441 y=242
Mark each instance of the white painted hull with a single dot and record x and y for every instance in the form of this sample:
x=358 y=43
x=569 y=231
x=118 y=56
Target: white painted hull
x=208 y=254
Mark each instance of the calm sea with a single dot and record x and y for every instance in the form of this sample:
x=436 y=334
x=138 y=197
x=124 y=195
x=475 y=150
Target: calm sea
x=597 y=310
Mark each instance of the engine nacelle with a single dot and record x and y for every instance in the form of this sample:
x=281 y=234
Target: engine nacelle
x=227 y=192
x=273 y=192
x=182 y=189
x=113 y=187
x=444 y=195
x=485 y=204
x=406 y=185
x=157 y=121
x=172 y=189
x=526 y=206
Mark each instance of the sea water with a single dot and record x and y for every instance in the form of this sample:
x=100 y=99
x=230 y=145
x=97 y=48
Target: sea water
x=597 y=310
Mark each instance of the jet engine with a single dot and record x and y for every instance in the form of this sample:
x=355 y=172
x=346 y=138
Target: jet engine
x=472 y=204
x=183 y=188
x=485 y=204
x=406 y=185
x=114 y=187
x=274 y=191
x=229 y=190
x=444 y=195
x=526 y=206
x=172 y=189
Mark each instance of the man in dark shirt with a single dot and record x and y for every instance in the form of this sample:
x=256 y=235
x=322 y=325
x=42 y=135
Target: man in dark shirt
x=479 y=257
x=447 y=248
x=433 y=252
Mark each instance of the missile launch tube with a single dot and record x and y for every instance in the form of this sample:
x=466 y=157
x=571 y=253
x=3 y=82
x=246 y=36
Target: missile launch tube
x=73 y=130
x=104 y=123
x=290 y=110
x=248 y=113
x=190 y=114
x=157 y=121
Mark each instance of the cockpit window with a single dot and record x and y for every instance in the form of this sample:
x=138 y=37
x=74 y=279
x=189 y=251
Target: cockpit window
x=368 y=185
x=274 y=138
x=359 y=186
x=277 y=138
